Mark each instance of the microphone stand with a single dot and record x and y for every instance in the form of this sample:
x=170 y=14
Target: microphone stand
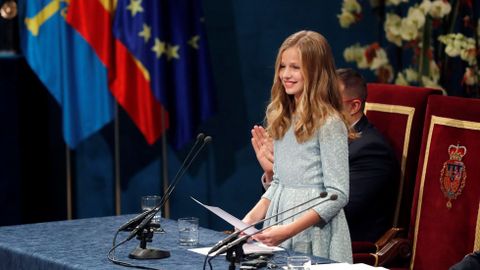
x=145 y=229
x=141 y=252
x=234 y=249
x=235 y=254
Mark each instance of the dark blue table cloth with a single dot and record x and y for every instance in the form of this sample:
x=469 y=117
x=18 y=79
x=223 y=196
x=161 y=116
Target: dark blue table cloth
x=84 y=244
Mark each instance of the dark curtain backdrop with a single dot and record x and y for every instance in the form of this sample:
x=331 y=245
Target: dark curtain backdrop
x=243 y=37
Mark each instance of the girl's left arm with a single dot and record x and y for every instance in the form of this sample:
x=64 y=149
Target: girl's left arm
x=333 y=143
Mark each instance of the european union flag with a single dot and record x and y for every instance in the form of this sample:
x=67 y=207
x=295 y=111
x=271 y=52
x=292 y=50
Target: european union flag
x=67 y=66
x=168 y=38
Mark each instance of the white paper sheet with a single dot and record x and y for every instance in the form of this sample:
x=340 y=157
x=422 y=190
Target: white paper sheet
x=237 y=223
x=253 y=247
x=343 y=266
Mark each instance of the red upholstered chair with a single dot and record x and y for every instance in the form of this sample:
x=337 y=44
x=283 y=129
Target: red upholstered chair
x=398 y=113
x=445 y=217
x=446 y=211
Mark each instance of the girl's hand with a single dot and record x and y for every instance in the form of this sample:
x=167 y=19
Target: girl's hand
x=263 y=146
x=274 y=235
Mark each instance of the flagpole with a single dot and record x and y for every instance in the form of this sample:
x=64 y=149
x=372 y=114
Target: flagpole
x=69 y=181
x=117 y=162
x=166 y=207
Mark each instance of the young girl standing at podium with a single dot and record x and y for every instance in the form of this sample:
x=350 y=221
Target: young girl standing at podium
x=310 y=152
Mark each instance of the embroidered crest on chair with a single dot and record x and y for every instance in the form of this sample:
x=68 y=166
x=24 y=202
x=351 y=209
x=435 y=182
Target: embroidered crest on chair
x=453 y=173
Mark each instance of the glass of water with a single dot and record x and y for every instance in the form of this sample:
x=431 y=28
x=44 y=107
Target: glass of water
x=188 y=231
x=148 y=203
x=298 y=263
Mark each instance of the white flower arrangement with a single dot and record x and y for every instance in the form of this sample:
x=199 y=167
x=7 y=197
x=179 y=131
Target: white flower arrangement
x=414 y=31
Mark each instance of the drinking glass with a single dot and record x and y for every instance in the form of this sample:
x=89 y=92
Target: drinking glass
x=188 y=231
x=298 y=263
x=148 y=203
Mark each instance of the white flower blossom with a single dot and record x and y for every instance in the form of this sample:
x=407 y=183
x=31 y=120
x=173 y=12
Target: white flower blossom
x=392 y=28
x=411 y=75
x=346 y=19
x=434 y=71
x=379 y=60
x=395 y=39
x=395 y=2
x=353 y=53
x=362 y=62
x=352 y=6
x=408 y=30
x=356 y=53
x=458 y=40
x=416 y=16
x=452 y=51
x=400 y=80
x=439 y=8
x=425 y=6
x=428 y=82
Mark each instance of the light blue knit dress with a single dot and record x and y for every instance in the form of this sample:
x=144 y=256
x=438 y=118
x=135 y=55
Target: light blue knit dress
x=301 y=172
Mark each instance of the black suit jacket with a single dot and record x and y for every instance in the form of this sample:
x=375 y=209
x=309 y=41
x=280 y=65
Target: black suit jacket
x=374 y=173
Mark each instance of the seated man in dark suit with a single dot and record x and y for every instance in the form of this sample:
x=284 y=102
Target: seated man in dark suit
x=373 y=166
x=469 y=262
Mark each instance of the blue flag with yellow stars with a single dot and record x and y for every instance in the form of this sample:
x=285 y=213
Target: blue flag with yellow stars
x=169 y=40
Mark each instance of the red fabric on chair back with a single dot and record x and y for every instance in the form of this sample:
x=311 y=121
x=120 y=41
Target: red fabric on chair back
x=446 y=213
x=398 y=113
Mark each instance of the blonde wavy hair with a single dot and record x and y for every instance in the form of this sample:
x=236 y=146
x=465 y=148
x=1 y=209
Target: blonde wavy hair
x=320 y=97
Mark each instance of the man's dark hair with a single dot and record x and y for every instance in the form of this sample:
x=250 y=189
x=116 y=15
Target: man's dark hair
x=355 y=85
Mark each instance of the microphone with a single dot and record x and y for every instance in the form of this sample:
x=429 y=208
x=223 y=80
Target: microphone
x=148 y=217
x=226 y=247
x=234 y=235
x=129 y=225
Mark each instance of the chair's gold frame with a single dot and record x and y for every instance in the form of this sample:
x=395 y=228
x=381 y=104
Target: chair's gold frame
x=409 y=112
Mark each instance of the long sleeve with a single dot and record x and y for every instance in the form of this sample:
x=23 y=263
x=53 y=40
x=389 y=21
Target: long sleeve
x=333 y=143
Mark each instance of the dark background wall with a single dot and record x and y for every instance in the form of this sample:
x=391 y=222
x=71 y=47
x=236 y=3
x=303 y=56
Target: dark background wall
x=244 y=36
